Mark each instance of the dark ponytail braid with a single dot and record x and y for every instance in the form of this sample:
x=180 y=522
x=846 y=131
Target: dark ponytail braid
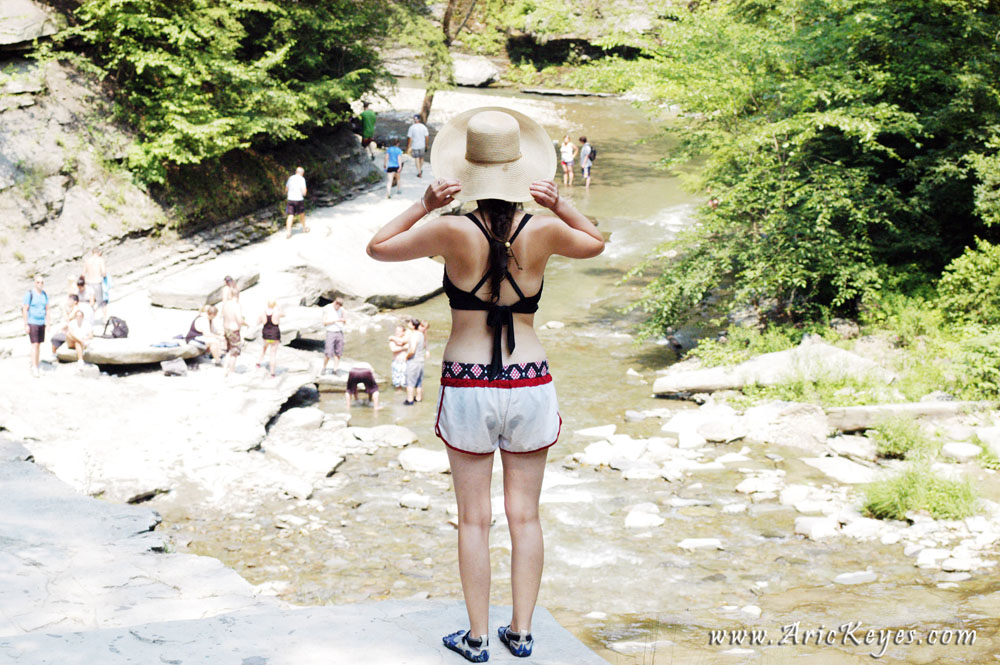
x=499 y=216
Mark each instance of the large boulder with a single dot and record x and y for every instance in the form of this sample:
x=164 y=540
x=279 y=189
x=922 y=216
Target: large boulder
x=470 y=70
x=301 y=418
x=991 y=437
x=856 y=418
x=22 y=22
x=842 y=469
x=357 y=276
x=474 y=70
x=126 y=351
x=811 y=360
x=422 y=460
x=792 y=424
x=196 y=287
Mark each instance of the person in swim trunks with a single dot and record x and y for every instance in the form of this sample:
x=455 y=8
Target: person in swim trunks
x=232 y=325
x=362 y=375
x=496 y=389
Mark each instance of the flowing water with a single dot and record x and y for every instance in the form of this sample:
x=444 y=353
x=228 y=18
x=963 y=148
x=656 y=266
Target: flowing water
x=631 y=594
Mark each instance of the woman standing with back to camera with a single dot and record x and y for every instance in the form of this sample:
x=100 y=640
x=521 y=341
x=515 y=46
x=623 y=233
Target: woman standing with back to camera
x=496 y=390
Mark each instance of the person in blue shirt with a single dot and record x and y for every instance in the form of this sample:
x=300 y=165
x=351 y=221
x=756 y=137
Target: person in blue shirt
x=35 y=311
x=392 y=164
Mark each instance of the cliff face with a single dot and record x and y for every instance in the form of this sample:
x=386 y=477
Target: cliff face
x=63 y=188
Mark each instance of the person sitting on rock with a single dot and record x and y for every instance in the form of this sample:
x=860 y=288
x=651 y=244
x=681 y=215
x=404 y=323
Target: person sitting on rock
x=79 y=334
x=69 y=313
x=203 y=334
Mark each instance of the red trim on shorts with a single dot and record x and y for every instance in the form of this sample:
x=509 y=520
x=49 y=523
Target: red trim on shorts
x=503 y=383
x=545 y=447
x=448 y=445
x=437 y=430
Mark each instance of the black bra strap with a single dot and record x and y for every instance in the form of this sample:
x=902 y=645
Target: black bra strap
x=491 y=239
x=524 y=220
x=479 y=284
x=480 y=225
x=510 y=280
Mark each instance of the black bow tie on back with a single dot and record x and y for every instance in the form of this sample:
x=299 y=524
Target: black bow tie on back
x=497 y=317
x=500 y=316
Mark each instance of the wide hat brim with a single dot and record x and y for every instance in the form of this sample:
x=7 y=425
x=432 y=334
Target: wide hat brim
x=507 y=181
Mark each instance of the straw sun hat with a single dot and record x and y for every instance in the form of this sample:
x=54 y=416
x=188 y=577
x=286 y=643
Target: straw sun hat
x=494 y=152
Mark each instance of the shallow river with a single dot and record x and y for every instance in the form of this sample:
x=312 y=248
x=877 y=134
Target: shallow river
x=632 y=595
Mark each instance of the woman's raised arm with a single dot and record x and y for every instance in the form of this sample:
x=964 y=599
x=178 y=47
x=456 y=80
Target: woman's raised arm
x=399 y=241
x=577 y=237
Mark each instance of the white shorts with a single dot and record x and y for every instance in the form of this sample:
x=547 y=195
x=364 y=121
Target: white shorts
x=518 y=412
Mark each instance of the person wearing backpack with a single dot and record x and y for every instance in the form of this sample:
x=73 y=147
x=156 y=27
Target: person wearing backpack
x=35 y=311
x=587 y=155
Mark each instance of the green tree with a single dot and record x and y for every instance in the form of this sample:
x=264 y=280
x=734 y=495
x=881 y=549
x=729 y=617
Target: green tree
x=199 y=78
x=419 y=28
x=844 y=139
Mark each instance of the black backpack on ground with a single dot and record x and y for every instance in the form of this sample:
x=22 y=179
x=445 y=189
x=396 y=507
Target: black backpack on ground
x=118 y=327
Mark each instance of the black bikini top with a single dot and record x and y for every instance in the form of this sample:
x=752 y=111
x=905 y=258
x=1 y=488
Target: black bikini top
x=498 y=316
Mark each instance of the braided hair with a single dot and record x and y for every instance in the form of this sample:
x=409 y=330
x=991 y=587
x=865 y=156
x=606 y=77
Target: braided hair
x=499 y=216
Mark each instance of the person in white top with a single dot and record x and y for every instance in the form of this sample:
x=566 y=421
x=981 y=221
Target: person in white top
x=79 y=333
x=567 y=155
x=296 y=205
x=416 y=143
x=333 y=319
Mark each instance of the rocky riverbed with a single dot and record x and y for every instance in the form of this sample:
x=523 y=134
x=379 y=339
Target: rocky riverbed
x=670 y=520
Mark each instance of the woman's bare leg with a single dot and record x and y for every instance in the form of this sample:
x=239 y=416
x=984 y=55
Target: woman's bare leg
x=471 y=475
x=522 y=485
x=274 y=356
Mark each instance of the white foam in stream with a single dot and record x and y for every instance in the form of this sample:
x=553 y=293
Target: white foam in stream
x=639 y=237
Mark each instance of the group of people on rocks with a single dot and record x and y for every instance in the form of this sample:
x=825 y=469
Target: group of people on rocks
x=225 y=344
x=74 y=322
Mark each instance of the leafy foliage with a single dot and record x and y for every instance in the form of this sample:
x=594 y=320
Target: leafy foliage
x=199 y=78
x=969 y=290
x=978 y=365
x=843 y=138
x=903 y=438
x=919 y=488
x=740 y=343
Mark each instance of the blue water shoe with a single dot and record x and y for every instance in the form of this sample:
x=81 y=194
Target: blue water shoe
x=520 y=644
x=475 y=650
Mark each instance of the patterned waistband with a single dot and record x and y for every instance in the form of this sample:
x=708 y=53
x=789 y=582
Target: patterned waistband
x=474 y=375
